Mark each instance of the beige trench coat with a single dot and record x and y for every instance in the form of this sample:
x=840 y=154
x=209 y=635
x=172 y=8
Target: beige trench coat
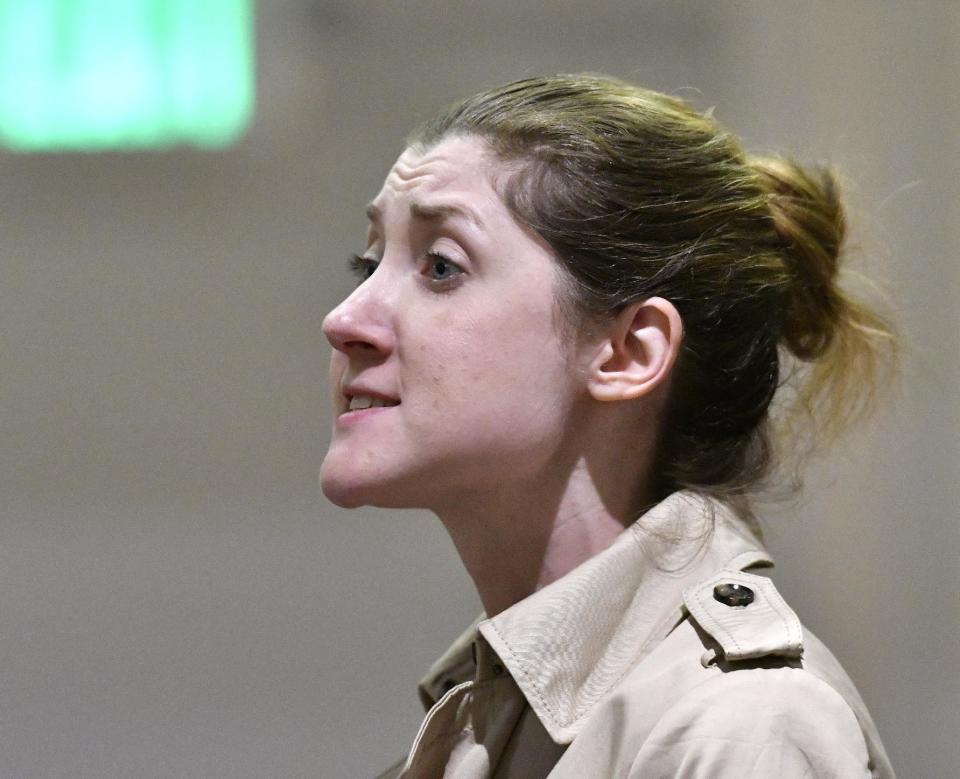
x=631 y=666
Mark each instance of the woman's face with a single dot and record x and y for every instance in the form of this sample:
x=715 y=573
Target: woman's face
x=452 y=325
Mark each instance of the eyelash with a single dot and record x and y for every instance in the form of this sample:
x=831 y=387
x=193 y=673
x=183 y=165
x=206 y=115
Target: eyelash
x=361 y=267
x=364 y=267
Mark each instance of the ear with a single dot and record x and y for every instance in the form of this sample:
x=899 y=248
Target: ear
x=638 y=351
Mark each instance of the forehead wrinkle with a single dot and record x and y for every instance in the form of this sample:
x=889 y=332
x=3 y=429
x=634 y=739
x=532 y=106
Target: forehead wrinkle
x=402 y=178
x=439 y=172
x=408 y=172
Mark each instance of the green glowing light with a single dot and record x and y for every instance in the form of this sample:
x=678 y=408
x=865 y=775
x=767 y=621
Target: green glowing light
x=108 y=74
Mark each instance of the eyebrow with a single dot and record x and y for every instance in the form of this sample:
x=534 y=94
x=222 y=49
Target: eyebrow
x=430 y=213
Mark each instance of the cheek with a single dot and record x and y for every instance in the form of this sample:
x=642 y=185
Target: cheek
x=490 y=377
x=464 y=356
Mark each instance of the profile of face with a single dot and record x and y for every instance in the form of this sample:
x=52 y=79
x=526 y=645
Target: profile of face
x=451 y=332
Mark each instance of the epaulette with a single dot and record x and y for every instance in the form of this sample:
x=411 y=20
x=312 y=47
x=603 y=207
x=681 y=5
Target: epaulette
x=745 y=615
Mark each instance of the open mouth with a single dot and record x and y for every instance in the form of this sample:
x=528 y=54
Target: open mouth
x=361 y=402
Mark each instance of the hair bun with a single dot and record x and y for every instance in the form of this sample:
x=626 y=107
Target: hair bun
x=809 y=218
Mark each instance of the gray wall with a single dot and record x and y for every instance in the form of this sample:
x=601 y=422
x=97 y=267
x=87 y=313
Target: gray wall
x=177 y=599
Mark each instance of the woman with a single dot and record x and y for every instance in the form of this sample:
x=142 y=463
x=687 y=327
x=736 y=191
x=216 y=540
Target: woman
x=573 y=307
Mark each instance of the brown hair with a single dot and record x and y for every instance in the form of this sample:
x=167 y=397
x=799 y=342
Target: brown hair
x=640 y=195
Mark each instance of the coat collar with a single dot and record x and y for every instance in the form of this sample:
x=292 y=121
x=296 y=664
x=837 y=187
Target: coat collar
x=569 y=644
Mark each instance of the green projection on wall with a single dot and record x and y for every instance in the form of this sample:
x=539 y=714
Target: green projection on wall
x=124 y=74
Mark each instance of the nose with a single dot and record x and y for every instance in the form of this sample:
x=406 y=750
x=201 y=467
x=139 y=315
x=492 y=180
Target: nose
x=359 y=325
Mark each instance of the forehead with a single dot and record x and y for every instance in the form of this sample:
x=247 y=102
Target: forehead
x=462 y=166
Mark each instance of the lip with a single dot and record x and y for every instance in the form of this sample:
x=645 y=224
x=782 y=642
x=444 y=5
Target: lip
x=350 y=418
x=348 y=391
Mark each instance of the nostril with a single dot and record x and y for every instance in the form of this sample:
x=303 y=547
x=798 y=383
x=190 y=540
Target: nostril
x=357 y=339
x=343 y=332
x=354 y=326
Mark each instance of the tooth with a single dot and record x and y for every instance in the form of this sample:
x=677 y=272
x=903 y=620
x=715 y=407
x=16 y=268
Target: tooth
x=360 y=401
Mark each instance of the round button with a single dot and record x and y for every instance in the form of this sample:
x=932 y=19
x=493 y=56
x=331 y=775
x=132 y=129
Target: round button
x=731 y=594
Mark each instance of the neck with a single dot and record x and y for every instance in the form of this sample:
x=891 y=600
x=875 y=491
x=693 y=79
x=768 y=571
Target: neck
x=519 y=538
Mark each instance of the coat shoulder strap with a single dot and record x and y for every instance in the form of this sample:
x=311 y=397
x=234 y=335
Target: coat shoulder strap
x=745 y=615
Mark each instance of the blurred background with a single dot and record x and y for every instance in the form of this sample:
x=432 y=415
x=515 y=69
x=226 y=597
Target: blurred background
x=176 y=597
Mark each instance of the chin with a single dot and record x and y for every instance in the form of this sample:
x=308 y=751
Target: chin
x=340 y=491
x=352 y=491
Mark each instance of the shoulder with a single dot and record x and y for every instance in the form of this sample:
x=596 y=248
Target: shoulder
x=761 y=705
x=738 y=688
x=760 y=721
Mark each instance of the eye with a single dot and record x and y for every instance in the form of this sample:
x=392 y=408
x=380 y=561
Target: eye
x=362 y=267
x=441 y=268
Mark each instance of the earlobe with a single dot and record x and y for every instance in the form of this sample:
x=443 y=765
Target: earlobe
x=638 y=352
